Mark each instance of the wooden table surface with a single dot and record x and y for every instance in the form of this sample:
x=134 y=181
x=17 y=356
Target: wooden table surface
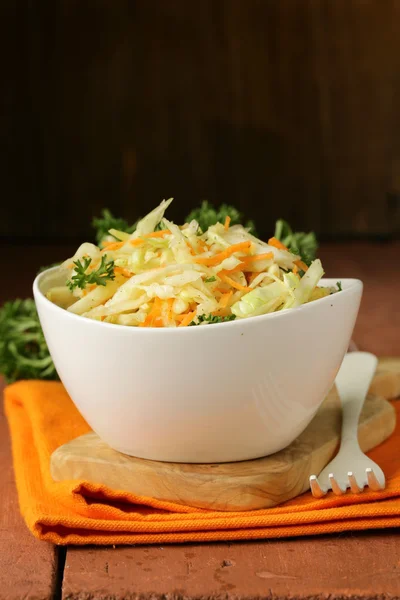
x=363 y=565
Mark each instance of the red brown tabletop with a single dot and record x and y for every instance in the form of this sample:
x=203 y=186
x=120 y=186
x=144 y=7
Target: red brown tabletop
x=363 y=565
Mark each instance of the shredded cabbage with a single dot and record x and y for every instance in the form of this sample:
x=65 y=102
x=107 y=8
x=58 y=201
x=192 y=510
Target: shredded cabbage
x=179 y=276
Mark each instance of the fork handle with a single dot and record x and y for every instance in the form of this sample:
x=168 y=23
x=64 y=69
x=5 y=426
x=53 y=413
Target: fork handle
x=352 y=382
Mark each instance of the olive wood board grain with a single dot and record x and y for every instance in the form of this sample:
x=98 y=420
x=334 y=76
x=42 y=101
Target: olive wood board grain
x=247 y=485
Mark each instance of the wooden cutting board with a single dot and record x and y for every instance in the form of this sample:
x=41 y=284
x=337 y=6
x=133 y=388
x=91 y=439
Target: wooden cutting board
x=247 y=485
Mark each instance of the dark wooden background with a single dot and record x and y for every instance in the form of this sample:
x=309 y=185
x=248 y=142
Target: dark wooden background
x=281 y=107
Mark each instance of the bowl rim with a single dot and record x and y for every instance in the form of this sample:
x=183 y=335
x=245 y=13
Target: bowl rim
x=348 y=285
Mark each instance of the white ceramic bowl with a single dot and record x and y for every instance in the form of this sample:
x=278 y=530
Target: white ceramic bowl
x=215 y=393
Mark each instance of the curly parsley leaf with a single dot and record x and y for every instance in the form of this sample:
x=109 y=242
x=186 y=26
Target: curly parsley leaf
x=107 y=221
x=303 y=244
x=23 y=349
x=82 y=278
x=206 y=215
x=211 y=319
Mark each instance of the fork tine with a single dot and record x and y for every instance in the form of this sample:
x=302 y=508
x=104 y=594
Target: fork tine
x=335 y=486
x=373 y=482
x=316 y=489
x=355 y=488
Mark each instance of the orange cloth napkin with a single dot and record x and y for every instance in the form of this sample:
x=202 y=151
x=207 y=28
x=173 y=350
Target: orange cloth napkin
x=42 y=417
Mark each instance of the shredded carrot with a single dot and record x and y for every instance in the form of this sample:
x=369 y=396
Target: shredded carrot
x=227 y=223
x=249 y=259
x=192 y=252
x=301 y=265
x=181 y=317
x=217 y=258
x=187 y=319
x=156 y=234
x=295 y=269
x=113 y=245
x=223 y=303
x=202 y=245
x=252 y=277
x=275 y=242
x=233 y=283
x=154 y=313
x=221 y=312
x=255 y=257
x=136 y=242
x=122 y=271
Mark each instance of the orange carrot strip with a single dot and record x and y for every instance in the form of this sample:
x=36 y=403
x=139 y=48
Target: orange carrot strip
x=181 y=317
x=240 y=267
x=255 y=257
x=227 y=223
x=225 y=299
x=192 y=252
x=153 y=314
x=112 y=246
x=156 y=234
x=295 y=269
x=136 y=242
x=301 y=265
x=248 y=259
x=217 y=258
x=203 y=246
x=274 y=242
x=252 y=277
x=122 y=271
x=187 y=319
x=233 y=283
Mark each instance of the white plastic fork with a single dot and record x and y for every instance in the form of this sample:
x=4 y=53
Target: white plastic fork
x=351 y=468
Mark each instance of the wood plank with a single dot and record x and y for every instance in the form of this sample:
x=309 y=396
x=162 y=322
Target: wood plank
x=28 y=567
x=365 y=566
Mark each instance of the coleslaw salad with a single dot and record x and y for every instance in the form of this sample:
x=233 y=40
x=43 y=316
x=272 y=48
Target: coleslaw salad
x=164 y=275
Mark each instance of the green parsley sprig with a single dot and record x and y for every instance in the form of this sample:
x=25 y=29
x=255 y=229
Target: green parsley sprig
x=206 y=215
x=82 y=278
x=211 y=319
x=23 y=349
x=107 y=221
x=303 y=244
